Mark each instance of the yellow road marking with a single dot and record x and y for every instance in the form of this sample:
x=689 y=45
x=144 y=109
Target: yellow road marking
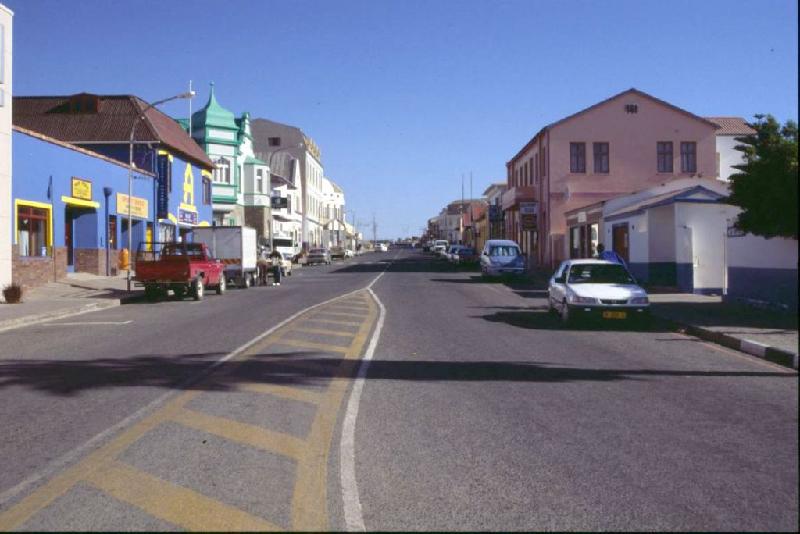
x=247 y=434
x=297 y=394
x=322 y=331
x=309 y=502
x=341 y=314
x=333 y=321
x=191 y=510
x=173 y=503
x=351 y=308
x=312 y=346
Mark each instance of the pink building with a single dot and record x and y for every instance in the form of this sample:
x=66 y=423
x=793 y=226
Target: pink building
x=626 y=143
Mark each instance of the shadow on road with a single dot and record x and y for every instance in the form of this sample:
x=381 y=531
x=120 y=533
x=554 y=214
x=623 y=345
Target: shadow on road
x=67 y=378
x=538 y=318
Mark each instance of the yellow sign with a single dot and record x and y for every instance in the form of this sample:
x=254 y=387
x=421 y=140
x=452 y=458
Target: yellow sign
x=138 y=206
x=81 y=189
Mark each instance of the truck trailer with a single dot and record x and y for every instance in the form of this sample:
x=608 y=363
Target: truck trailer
x=236 y=247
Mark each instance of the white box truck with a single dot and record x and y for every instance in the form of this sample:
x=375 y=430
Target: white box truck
x=236 y=247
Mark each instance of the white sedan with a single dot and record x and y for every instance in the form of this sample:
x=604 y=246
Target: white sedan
x=596 y=289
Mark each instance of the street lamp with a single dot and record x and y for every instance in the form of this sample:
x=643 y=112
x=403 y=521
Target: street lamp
x=140 y=116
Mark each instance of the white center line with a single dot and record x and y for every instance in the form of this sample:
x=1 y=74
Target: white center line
x=90 y=323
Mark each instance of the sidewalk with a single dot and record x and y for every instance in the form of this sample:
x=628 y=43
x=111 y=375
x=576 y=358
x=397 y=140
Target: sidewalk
x=77 y=293
x=761 y=332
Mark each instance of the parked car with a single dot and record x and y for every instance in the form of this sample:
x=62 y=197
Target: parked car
x=501 y=257
x=348 y=253
x=337 y=253
x=318 y=255
x=452 y=252
x=382 y=247
x=596 y=289
x=465 y=256
x=181 y=267
x=286 y=264
x=440 y=246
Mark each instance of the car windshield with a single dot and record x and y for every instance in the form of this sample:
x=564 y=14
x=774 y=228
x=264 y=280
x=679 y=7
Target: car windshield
x=504 y=250
x=599 y=273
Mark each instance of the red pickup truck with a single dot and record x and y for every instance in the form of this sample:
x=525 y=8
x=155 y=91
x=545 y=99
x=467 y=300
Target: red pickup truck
x=181 y=267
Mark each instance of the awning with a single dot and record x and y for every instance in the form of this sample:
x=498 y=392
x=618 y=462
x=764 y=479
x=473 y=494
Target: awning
x=79 y=202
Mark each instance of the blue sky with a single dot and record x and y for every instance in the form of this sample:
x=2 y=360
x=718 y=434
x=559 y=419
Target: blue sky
x=405 y=96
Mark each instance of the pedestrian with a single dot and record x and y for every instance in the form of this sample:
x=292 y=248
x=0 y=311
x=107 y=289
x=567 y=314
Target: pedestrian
x=263 y=267
x=276 y=259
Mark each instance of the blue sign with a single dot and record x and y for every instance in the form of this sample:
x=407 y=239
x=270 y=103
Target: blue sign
x=188 y=217
x=164 y=173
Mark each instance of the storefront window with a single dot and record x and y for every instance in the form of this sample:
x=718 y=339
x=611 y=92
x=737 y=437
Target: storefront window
x=32 y=228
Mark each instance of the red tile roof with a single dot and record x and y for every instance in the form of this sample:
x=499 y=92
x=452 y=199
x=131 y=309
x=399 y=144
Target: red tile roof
x=51 y=116
x=731 y=126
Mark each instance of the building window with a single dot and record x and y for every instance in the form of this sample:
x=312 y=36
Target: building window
x=222 y=172
x=259 y=181
x=274 y=141
x=525 y=174
x=577 y=157
x=206 y=192
x=664 y=149
x=32 y=230
x=688 y=156
x=600 y=157
x=536 y=170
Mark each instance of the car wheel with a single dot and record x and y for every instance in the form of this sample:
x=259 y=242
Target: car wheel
x=222 y=286
x=246 y=282
x=198 y=289
x=179 y=291
x=566 y=316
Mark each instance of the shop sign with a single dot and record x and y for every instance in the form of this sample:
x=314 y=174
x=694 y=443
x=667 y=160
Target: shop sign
x=138 y=206
x=528 y=212
x=81 y=188
x=187 y=217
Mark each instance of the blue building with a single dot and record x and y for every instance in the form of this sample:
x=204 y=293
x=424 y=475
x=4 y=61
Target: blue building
x=70 y=192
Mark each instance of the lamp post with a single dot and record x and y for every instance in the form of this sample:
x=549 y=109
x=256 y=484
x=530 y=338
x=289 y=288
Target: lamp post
x=140 y=116
x=107 y=193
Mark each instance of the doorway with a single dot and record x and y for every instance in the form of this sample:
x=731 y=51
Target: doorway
x=69 y=237
x=619 y=240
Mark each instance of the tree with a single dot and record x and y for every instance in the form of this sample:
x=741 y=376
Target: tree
x=766 y=186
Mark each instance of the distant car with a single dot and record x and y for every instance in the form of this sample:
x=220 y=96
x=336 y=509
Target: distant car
x=452 y=249
x=286 y=264
x=501 y=257
x=318 y=255
x=440 y=246
x=598 y=289
x=337 y=253
x=465 y=255
x=382 y=247
x=348 y=253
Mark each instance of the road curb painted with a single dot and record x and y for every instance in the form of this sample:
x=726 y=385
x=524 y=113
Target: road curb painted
x=765 y=352
x=27 y=320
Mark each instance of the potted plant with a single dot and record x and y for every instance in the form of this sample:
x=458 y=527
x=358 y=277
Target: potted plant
x=12 y=293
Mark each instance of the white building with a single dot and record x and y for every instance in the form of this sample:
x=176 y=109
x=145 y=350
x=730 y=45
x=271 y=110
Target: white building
x=6 y=16
x=727 y=156
x=672 y=235
x=278 y=144
x=334 y=232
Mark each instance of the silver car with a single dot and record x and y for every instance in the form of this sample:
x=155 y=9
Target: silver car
x=502 y=257
x=596 y=288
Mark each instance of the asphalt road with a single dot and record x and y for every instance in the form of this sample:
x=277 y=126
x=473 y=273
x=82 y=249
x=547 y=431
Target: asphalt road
x=478 y=412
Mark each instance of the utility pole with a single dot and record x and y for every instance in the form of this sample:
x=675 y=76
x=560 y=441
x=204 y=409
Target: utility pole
x=374 y=232
x=461 y=213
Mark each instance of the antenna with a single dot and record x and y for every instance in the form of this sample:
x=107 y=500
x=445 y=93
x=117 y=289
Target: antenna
x=190 y=109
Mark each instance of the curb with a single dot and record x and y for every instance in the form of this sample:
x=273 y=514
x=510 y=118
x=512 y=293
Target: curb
x=754 y=348
x=28 y=320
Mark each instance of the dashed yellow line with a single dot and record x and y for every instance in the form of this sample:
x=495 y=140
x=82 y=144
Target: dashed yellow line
x=333 y=321
x=295 y=394
x=342 y=314
x=244 y=433
x=176 y=504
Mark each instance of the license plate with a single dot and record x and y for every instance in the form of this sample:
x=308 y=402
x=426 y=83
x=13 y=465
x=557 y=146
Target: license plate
x=614 y=315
